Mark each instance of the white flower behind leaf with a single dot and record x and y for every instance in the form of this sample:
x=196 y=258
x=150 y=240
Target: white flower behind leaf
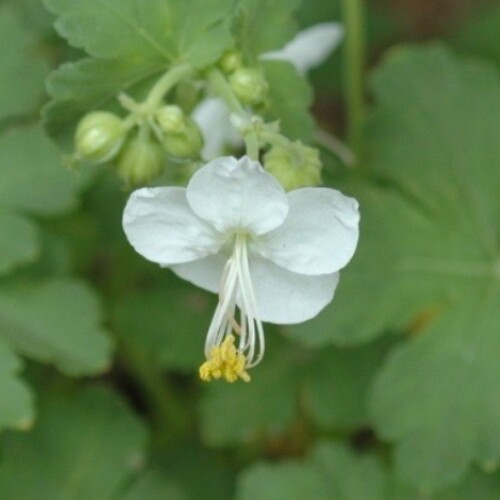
x=310 y=47
x=307 y=50
x=270 y=256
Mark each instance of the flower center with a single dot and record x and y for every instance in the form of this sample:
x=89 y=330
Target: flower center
x=235 y=342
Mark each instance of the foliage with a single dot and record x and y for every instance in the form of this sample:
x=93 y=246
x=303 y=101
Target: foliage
x=389 y=394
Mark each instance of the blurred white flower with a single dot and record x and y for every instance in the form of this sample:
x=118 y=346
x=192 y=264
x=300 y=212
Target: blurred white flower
x=234 y=231
x=310 y=47
x=306 y=51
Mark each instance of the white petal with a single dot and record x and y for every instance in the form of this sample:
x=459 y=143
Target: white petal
x=161 y=226
x=319 y=235
x=310 y=47
x=284 y=297
x=205 y=273
x=213 y=118
x=237 y=195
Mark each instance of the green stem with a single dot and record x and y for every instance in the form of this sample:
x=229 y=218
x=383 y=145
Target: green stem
x=171 y=78
x=274 y=138
x=335 y=146
x=252 y=145
x=354 y=66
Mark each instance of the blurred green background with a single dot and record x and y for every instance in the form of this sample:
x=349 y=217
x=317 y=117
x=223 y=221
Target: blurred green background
x=391 y=394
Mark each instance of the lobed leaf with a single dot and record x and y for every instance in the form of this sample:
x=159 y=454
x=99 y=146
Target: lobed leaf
x=264 y=25
x=23 y=71
x=18 y=241
x=16 y=400
x=331 y=471
x=57 y=322
x=337 y=385
x=83 y=448
x=31 y=177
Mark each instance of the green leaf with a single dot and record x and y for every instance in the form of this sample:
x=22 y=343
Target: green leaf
x=332 y=471
x=134 y=42
x=23 y=72
x=285 y=481
x=85 y=447
x=153 y=485
x=31 y=176
x=232 y=413
x=186 y=472
x=33 y=15
x=484 y=486
x=478 y=35
x=57 y=322
x=168 y=324
x=264 y=25
x=337 y=385
x=428 y=263
x=16 y=400
x=18 y=241
x=476 y=485
x=290 y=98
x=171 y=31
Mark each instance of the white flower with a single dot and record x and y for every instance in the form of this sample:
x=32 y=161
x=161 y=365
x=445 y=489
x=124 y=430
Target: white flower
x=307 y=50
x=234 y=231
x=310 y=47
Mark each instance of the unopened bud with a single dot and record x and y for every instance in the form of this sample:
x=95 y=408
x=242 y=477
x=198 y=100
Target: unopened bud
x=294 y=167
x=231 y=61
x=249 y=85
x=186 y=144
x=99 y=136
x=140 y=161
x=170 y=119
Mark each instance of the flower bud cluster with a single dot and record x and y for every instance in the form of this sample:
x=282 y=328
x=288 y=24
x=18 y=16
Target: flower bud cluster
x=139 y=144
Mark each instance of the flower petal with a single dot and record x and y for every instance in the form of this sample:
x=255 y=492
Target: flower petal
x=205 y=273
x=213 y=118
x=161 y=226
x=319 y=235
x=284 y=297
x=237 y=195
x=310 y=47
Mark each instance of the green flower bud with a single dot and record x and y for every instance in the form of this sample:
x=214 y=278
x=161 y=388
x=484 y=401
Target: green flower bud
x=231 y=61
x=99 y=136
x=294 y=167
x=186 y=144
x=140 y=161
x=170 y=119
x=249 y=85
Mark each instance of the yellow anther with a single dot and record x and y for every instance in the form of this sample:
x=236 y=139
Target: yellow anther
x=225 y=362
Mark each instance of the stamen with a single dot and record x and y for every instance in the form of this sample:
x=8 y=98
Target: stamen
x=225 y=362
x=224 y=359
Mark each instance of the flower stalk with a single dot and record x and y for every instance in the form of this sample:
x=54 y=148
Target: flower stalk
x=354 y=66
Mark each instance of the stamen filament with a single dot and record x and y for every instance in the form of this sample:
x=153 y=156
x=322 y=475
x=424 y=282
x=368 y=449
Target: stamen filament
x=236 y=290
